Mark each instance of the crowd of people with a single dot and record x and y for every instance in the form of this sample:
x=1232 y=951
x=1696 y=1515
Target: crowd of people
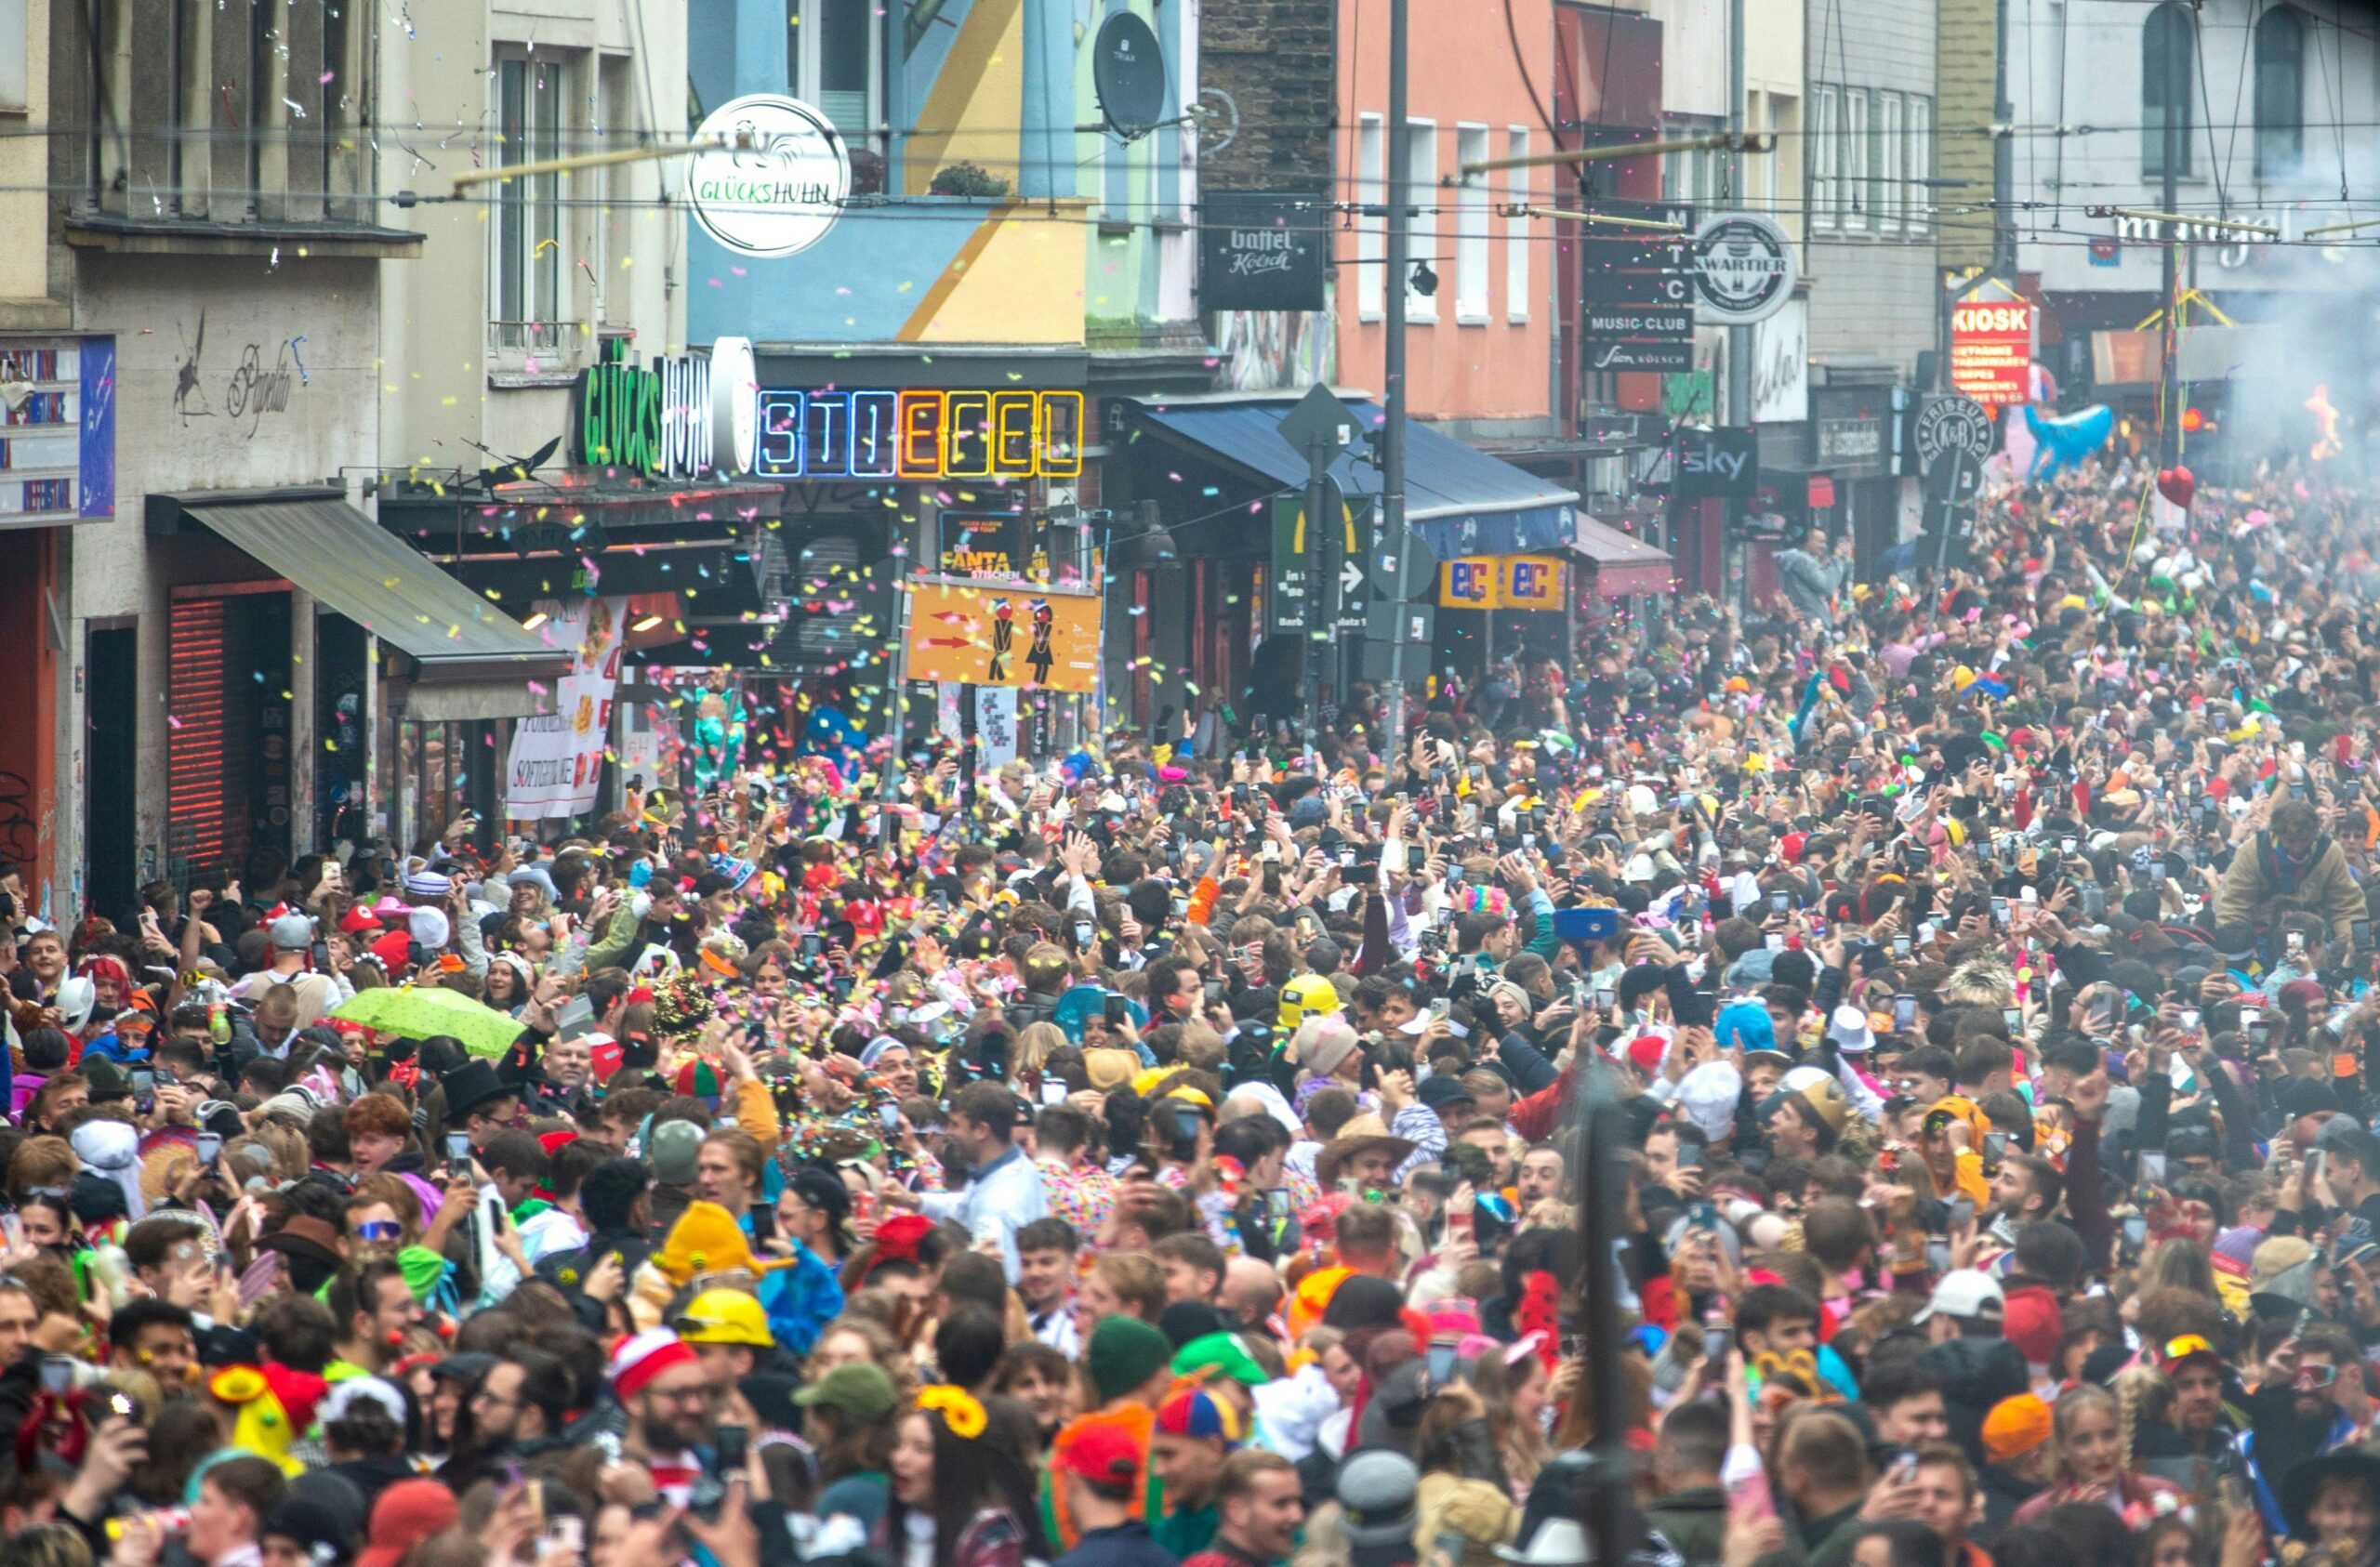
x=1170 y=1154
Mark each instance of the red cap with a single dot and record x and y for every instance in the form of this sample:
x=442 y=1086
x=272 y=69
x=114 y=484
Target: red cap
x=406 y=1513
x=394 y=950
x=358 y=919
x=2031 y=1321
x=1101 y=1452
x=1788 y=848
x=1644 y=1052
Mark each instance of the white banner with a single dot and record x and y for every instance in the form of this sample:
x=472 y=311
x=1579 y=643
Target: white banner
x=557 y=759
x=996 y=725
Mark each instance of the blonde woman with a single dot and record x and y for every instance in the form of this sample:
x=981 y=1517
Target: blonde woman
x=2091 y=1433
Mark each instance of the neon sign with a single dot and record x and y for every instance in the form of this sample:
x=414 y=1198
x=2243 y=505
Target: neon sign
x=917 y=434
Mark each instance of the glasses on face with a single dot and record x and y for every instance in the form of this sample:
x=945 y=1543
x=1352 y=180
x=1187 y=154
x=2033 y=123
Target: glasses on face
x=701 y=1393
x=2311 y=1378
x=378 y=1231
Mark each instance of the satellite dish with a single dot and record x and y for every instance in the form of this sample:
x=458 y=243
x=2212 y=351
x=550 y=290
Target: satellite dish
x=1127 y=72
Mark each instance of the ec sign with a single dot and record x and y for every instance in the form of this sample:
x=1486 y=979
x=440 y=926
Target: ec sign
x=918 y=434
x=1503 y=582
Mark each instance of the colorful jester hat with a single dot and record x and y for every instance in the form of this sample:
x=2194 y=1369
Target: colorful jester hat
x=276 y=1408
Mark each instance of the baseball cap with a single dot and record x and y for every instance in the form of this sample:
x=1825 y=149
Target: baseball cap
x=2014 y=1427
x=1438 y=1092
x=1967 y=1293
x=1101 y=1452
x=2189 y=1346
x=292 y=932
x=856 y=1387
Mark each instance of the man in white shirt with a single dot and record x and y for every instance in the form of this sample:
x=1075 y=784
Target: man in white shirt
x=1006 y=1194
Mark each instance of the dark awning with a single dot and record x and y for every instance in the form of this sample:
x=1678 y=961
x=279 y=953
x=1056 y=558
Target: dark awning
x=1623 y=564
x=1461 y=501
x=351 y=565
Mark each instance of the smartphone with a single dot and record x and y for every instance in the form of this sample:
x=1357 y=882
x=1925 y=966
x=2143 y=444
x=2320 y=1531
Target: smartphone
x=2013 y=1017
x=728 y=1439
x=2135 y=1232
x=1780 y=902
x=1084 y=932
x=2297 y=944
x=1714 y=1341
x=1904 y=1012
x=812 y=945
x=1606 y=998
x=566 y=1533
x=1995 y=1148
x=1901 y=947
x=210 y=1148
x=2189 y=1020
x=458 y=1153
x=1962 y=1212
x=57 y=1374
x=888 y=1115
x=1442 y=1367
x=1186 y=1125
x=2152 y=1166
x=2361 y=932
x=1053 y=1090
x=1689 y=1157
x=1117 y=1009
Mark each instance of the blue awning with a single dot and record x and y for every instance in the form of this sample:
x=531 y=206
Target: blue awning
x=1461 y=501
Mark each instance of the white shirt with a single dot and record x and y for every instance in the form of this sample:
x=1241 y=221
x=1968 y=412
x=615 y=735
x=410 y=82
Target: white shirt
x=1003 y=1198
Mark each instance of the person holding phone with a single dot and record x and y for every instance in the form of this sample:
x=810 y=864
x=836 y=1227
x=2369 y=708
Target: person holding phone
x=1004 y=1190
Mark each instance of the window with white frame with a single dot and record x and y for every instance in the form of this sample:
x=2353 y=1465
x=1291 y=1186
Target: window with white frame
x=1371 y=235
x=1892 y=191
x=1419 y=192
x=1471 y=227
x=1516 y=240
x=1858 y=201
x=1921 y=165
x=835 y=60
x=525 y=299
x=1825 y=147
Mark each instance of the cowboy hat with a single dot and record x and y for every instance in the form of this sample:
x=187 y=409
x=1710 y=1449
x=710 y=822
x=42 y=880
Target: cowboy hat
x=1362 y=1134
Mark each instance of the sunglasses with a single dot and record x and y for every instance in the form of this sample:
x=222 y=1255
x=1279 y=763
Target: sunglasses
x=2312 y=1376
x=378 y=1230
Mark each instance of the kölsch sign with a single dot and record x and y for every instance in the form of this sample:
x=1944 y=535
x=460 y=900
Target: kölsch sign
x=1261 y=251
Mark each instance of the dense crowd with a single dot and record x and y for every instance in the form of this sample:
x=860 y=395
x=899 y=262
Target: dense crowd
x=1170 y=1154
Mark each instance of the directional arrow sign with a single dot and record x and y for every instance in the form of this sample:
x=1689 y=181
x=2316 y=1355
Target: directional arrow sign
x=1351 y=577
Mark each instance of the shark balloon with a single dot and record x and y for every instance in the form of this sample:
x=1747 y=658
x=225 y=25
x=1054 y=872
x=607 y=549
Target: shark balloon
x=2064 y=441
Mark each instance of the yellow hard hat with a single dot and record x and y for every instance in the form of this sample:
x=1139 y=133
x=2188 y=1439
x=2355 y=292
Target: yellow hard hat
x=726 y=1316
x=1306 y=997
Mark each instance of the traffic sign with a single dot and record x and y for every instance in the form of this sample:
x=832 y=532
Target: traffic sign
x=1952 y=423
x=1319 y=419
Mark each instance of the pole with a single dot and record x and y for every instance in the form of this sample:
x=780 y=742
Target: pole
x=1603 y=1183
x=897 y=666
x=2169 y=424
x=1318 y=610
x=1392 y=436
x=1739 y=348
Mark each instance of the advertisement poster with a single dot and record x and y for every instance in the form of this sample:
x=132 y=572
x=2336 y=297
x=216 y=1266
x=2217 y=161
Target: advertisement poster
x=557 y=758
x=1992 y=350
x=1033 y=639
x=995 y=724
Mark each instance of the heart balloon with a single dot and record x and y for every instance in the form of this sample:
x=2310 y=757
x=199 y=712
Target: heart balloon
x=2176 y=485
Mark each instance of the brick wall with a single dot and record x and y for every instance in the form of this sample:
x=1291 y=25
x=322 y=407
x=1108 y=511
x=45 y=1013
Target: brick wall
x=1275 y=59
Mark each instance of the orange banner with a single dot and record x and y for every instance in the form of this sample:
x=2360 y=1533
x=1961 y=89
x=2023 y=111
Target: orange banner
x=1026 y=637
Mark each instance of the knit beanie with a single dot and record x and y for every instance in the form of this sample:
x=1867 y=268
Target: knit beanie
x=1125 y=1352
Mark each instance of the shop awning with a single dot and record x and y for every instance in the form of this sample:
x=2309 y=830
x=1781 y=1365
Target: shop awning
x=335 y=552
x=1623 y=564
x=1461 y=501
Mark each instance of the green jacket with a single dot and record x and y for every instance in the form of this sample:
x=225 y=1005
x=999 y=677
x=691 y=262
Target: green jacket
x=1695 y=1523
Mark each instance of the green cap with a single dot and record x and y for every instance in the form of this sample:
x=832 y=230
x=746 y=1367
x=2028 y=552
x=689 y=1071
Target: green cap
x=1221 y=1353
x=857 y=1387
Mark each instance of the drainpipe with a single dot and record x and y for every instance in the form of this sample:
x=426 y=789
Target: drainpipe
x=1045 y=158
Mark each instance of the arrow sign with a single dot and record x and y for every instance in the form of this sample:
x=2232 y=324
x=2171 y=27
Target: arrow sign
x=1351 y=577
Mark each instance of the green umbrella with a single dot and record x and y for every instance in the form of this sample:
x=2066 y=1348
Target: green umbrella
x=417 y=1012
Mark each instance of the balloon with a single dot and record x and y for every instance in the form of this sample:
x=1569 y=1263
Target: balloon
x=2069 y=440
x=2177 y=485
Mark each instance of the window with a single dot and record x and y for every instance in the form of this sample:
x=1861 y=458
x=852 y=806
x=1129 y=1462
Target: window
x=1858 y=201
x=1892 y=191
x=2281 y=91
x=1824 y=188
x=527 y=295
x=1921 y=165
x=1372 y=236
x=16 y=48
x=1516 y=240
x=2165 y=85
x=1419 y=193
x=1471 y=227
x=834 y=57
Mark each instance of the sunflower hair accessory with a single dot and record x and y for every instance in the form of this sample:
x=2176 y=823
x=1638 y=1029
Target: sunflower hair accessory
x=959 y=1410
